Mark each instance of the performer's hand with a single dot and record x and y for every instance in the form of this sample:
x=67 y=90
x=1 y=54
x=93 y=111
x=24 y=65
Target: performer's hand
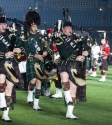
x=85 y=53
x=80 y=58
x=45 y=53
x=17 y=50
x=9 y=54
x=40 y=57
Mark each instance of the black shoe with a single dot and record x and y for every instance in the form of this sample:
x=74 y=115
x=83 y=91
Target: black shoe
x=38 y=109
x=3 y=109
x=52 y=97
x=7 y=120
x=30 y=102
x=73 y=118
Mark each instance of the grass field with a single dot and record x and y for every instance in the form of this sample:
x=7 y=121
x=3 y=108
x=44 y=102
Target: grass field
x=96 y=111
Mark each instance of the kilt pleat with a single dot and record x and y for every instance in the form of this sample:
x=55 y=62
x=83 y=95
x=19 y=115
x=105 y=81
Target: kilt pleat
x=16 y=69
x=30 y=71
x=104 y=65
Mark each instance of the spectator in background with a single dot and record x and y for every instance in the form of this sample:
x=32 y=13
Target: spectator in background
x=95 y=51
x=105 y=51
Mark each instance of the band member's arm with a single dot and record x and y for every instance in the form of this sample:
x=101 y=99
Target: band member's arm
x=9 y=54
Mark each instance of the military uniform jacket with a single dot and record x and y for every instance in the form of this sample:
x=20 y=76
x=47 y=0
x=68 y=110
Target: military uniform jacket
x=67 y=50
x=5 y=46
x=34 y=46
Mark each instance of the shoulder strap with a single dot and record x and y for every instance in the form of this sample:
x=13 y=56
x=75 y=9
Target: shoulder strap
x=3 y=40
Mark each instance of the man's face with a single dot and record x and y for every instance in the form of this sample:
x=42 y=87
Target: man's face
x=33 y=28
x=67 y=30
x=3 y=27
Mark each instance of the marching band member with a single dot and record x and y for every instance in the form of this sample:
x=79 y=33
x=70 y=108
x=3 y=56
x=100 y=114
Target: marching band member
x=83 y=66
x=3 y=50
x=18 y=44
x=8 y=74
x=95 y=51
x=35 y=58
x=57 y=80
x=68 y=56
x=105 y=51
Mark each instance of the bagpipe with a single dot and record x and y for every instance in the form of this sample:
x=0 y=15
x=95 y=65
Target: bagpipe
x=49 y=64
x=17 y=34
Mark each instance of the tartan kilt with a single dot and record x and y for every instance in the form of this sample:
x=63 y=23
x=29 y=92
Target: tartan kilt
x=16 y=69
x=81 y=67
x=66 y=68
x=104 y=65
x=81 y=93
x=81 y=90
x=20 y=84
x=30 y=72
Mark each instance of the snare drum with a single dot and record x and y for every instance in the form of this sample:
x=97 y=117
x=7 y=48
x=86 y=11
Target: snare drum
x=51 y=68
